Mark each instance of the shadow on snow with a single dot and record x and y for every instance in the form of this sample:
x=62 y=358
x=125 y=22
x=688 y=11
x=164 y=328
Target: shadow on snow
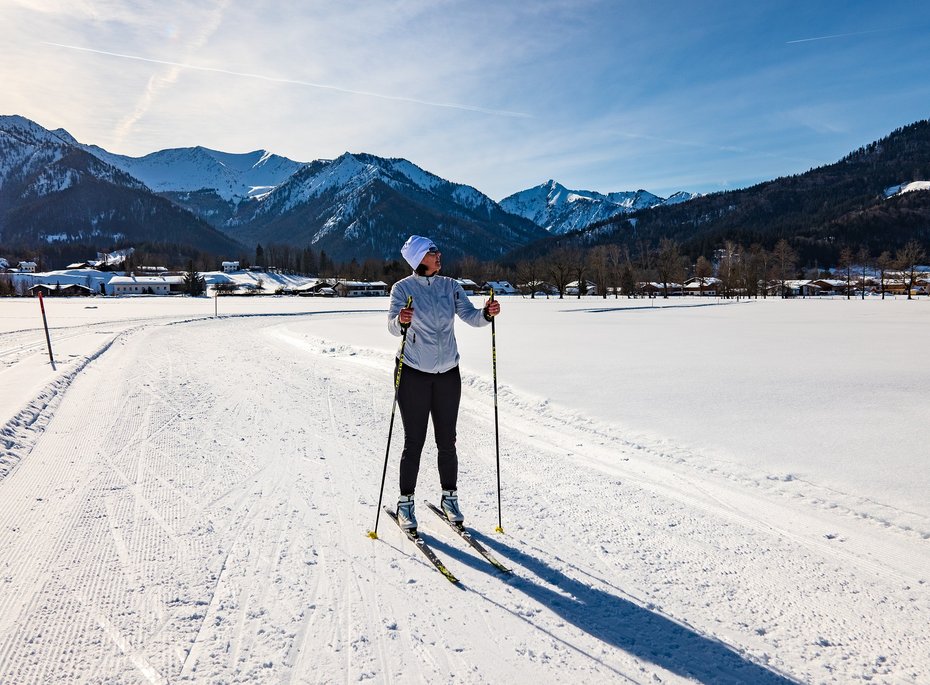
x=610 y=310
x=618 y=621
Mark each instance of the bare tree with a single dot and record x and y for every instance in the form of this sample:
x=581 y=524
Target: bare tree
x=728 y=267
x=703 y=270
x=580 y=268
x=907 y=259
x=668 y=263
x=785 y=262
x=846 y=265
x=755 y=267
x=559 y=265
x=865 y=262
x=884 y=263
x=599 y=262
x=615 y=262
x=529 y=275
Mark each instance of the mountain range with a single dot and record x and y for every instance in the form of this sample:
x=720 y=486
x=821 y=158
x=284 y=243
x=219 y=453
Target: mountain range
x=54 y=189
x=560 y=210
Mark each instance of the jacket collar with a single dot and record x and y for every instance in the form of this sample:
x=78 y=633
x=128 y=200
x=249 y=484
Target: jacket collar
x=424 y=280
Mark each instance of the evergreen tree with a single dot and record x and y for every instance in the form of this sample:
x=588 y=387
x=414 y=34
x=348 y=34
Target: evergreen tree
x=194 y=284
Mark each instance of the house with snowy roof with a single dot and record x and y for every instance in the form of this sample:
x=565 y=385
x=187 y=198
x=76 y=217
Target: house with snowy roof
x=361 y=288
x=588 y=288
x=145 y=285
x=501 y=288
x=59 y=290
x=468 y=285
x=653 y=288
x=792 y=288
x=831 y=286
x=709 y=285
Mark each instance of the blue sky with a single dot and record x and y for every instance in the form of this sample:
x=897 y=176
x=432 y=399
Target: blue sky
x=604 y=96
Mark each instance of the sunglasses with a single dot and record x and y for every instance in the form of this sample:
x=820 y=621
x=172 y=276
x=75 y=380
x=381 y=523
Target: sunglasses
x=433 y=250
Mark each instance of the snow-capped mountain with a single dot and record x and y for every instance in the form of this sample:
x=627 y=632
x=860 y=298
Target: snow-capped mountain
x=360 y=206
x=232 y=177
x=561 y=210
x=679 y=197
x=356 y=206
x=36 y=162
x=53 y=191
x=54 y=188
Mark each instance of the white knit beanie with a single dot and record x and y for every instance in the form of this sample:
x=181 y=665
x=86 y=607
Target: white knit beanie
x=414 y=249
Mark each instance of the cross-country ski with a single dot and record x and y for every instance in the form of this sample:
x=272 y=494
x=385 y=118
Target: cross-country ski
x=463 y=533
x=425 y=549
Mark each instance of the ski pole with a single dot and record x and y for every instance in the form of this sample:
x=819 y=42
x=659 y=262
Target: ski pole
x=497 y=444
x=373 y=534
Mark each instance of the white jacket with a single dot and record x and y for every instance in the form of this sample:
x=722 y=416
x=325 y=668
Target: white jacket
x=431 y=345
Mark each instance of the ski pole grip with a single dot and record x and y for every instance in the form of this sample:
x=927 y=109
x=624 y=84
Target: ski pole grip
x=405 y=326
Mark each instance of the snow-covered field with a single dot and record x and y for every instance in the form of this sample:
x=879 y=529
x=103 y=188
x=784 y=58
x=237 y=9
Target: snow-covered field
x=692 y=491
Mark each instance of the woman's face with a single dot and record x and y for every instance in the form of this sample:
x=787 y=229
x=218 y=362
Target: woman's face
x=432 y=261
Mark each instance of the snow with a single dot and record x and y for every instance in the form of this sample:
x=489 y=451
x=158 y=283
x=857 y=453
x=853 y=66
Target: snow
x=698 y=490
x=560 y=210
x=906 y=188
x=231 y=175
x=94 y=279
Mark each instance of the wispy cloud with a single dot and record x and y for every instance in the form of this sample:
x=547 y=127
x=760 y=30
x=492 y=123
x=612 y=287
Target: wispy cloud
x=158 y=82
x=837 y=35
x=177 y=66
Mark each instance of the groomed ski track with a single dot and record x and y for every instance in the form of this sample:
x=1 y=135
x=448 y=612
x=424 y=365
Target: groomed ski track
x=196 y=511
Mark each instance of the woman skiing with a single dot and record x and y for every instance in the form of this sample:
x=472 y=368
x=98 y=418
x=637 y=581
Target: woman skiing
x=430 y=383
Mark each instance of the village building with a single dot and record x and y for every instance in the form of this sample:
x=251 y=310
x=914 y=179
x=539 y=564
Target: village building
x=229 y=267
x=539 y=289
x=501 y=288
x=468 y=285
x=361 y=288
x=829 y=286
x=58 y=290
x=709 y=286
x=654 y=289
x=146 y=285
x=792 y=288
x=27 y=267
x=588 y=288
x=317 y=288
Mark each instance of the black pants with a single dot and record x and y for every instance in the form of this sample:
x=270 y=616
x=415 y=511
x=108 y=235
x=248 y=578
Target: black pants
x=420 y=396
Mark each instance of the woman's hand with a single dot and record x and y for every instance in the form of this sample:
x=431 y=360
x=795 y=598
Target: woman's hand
x=492 y=308
x=405 y=316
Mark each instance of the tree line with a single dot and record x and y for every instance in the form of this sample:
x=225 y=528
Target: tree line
x=612 y=268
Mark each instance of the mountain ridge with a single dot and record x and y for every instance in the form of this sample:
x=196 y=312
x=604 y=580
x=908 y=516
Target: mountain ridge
x=561 y=210
x=52 y=191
